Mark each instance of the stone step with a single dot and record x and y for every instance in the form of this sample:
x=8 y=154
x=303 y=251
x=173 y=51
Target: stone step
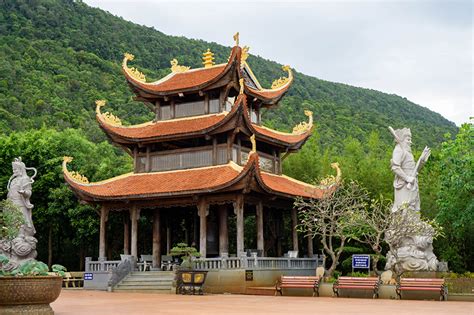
x=143 y=285
x=139 y=278
x=159 y=283
x=146 y=290
x=153 y=280
x=152 y=273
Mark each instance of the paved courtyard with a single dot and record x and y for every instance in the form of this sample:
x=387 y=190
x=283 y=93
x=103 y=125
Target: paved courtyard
x=98 y=302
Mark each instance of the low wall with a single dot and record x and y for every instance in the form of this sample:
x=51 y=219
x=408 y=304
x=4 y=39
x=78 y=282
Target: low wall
x=235 y=280
x=99 y=281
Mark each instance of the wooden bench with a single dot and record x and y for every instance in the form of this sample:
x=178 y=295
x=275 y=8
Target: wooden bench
x=419 y=284
x=358 y=283
x=74 y=278
x=297 y=282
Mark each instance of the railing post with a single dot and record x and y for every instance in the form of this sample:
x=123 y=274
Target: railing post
x=87 y=264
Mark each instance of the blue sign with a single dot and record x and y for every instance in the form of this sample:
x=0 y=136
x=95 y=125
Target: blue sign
x=361 y=261
x=88 y=276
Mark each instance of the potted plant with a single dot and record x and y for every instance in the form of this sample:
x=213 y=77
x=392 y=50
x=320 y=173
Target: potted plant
x=189 y=280
x=26 y=286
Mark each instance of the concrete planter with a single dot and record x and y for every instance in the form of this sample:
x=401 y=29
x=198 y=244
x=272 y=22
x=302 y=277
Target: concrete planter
x=29 y=295
x=191 y=281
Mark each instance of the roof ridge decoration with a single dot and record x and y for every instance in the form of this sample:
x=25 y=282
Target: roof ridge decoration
x=282 y=81
x=175 y=68
x=254 y=143
x=304 y=126
x=107 y=117
x=208 y=58
x=133 y=72
x=244 y=56
x=332 y=180
x=73 y=175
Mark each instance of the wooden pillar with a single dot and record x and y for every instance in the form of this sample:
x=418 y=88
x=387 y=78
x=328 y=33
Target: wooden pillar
x=223 y=231
x=310 y=246
x=134 y=216
x=168 y=237
x=294 y=233
x=126 y=235
x=156 y=252
x=214 y=150
x=239 y=212
x=203 y=212
x=104 y=215
x=259 y=219
x=279 y=230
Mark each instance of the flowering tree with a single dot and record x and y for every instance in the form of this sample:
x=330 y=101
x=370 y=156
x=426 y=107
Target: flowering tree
x=332 y=217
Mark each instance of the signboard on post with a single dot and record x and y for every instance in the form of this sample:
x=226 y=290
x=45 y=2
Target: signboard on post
x=360 y=262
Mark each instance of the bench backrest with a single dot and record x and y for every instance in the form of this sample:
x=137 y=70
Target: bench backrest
x=167 y=258
x=421 y=281
x=146 y=258
x=296 y=279
x=77 y=274
x=358 y=280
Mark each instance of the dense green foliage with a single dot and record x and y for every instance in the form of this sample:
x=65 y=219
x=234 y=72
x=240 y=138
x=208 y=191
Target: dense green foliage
x=58 y=57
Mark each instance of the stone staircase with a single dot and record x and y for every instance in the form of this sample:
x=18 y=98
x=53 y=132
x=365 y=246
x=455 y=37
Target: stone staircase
x=148 y=281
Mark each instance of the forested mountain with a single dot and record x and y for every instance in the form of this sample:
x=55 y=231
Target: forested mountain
x=58 y=57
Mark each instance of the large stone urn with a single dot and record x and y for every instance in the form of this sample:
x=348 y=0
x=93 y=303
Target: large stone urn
x=29 y=295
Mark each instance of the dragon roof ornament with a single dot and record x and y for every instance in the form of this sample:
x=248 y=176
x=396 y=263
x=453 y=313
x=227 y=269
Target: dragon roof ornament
x=304 y=126
x=75 y=176
x=332 y=180
x=107 y=117
x=133 y=72
x=278 y=83
x=175 y=68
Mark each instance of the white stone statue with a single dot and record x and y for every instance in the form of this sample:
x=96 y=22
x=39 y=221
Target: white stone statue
x=409 y=251
x=23 y=246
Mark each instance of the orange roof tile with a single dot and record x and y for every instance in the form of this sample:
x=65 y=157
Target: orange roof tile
x=282 y=136
x=158 y=183
x=180 y=81
x=290 y=186
x=164 y=128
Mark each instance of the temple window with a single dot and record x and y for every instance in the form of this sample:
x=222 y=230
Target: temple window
x=165 y=112
x=213 y=105
x=190 y=109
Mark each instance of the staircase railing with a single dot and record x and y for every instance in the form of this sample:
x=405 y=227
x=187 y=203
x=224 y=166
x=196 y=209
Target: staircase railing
x=123 y=269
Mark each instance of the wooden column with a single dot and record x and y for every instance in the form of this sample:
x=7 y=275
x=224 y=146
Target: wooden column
x=259 y=219
x=223 y=231
x=279 y=228
x=294 y=233
x=156 y=252
x=104 y=215
x=203 y=212
x=310 y=246
x=239 y=212
x=134 y=216
x=126 y=235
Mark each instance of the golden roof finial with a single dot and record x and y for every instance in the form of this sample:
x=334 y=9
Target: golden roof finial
x=73 y=175
x=176 y=68
x=107 y=117
x=236 y=39
x=133 y=72
x=208 y=58
x=241 y=82
x=245 y=54
x=304 y=126
x=282 y=80
x=332 y=180
x=254 y=143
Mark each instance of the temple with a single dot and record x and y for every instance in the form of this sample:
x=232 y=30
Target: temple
x=204 y=164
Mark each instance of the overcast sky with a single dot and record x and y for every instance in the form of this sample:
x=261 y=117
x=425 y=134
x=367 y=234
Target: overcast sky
x=421 y=50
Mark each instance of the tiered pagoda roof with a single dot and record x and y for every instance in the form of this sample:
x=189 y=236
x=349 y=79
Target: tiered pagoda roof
x=212 y=179
x=183 y=81
x=189 y=127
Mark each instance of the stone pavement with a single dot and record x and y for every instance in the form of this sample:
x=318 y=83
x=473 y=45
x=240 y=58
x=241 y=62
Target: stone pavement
x=99 y=302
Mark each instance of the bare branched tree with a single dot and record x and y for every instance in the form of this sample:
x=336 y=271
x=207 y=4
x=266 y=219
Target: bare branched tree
x=331 y=217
